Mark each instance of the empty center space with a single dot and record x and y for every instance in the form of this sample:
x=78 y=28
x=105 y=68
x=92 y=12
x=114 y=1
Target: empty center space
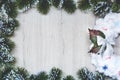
x=57 y=39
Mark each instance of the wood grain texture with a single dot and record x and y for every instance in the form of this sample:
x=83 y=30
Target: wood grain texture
x=57 y=39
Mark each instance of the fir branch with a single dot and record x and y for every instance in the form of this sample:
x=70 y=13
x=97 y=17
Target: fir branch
x=94 y=2
x=69 y=6
x=2 y=2
x=69 y=77
x=85 y=74
x=23 y=72
x=10 y=44
x=32 y=77
x=56 y=3
x=5 y=71
x=11 y=8
x=84 y=4
x=42 y=76
x=6 y=46
x=55 y=74
x=43 y=6
x=7 y=43
x=22 y=3
x=100 y=76
x=101 y=8
x=25 y=3
x=6 y=62
x=8 y=27
x=115 y=7
x=12 y=73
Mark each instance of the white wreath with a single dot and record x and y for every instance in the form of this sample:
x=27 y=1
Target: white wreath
x=108 y=62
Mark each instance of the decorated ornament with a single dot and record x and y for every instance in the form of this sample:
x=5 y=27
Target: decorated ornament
x=107 y=62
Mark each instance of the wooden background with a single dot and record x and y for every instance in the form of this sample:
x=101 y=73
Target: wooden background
x=57 y=39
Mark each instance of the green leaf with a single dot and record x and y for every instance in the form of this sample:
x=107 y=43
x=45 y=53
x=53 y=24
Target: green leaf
x=95 y=49
x=94 y=40
x=101 y=34
x=94 y=33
